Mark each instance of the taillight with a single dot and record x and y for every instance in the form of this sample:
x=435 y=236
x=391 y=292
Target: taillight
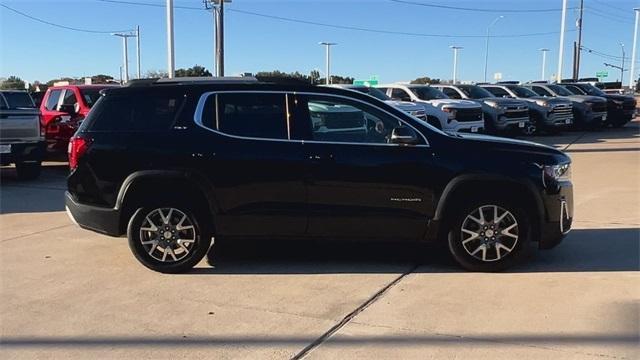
x=43 y=128
x=77 y=147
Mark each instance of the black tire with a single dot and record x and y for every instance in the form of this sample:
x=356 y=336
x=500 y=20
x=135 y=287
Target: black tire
x=201 y=236
x=28 y=171
x=520 y=248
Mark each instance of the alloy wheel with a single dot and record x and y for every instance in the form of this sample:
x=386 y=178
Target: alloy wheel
x=489 y=233
x=168 y=234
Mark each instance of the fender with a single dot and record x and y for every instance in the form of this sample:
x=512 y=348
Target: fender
x=199 y=180
x=461 y=180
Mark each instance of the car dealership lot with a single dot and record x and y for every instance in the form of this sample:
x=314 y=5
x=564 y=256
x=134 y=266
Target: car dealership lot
x=67 y=292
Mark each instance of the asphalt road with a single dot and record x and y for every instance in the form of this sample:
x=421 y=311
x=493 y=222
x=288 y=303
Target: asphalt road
x=70 y=293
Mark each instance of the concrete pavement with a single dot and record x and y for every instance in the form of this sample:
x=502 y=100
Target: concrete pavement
x=70 y=293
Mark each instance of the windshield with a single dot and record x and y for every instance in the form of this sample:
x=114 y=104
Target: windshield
x=19 y=100
x=90 y=96
x=560 y=90
x=475 y=92
x=428 y=93
x=591 y=90
x=522 y=91
x=376 y=93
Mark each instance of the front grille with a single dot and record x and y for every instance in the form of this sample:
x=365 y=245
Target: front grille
x=516 y=112
x=463 y=115
x=420 y=114
x=629 y=105
x=561 y=112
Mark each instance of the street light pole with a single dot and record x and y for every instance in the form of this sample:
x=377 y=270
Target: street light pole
x=328 y=46
x=622 y=68
x=632 y=74
x=486 y=54
x=125 y=51
x=138 y=51
x=171 y=60
x=561 y=50
x=455 y=62
x=544 y=62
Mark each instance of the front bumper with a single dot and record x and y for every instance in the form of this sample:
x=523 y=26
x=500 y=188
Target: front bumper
x=504 y=122
x=23 y=152
x=464 y=126
x=99 y=219
x=558 y=203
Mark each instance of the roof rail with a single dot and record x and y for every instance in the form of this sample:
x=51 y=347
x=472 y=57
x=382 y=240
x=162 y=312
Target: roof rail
x=510 y=82
x=192 y=80
x=539 y=82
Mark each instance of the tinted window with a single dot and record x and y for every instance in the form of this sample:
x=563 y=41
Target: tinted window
x=52 y=101
x=18 y=100
x=475 y=92
x=376 y=93
x=574 y=89
x=135 y=113
x=560 y=90
x=69 y=98
x=541 y=91
x=90 y=96
x=451 y=93
x=523 y=92
x=253 y=115
x=342 y=120
x=496 y=91
x=590 y=90
x=428 y=93
x=399 y=94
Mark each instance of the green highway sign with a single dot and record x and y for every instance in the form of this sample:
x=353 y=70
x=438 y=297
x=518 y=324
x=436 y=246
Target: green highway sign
x=365 y=82
x=602 y=74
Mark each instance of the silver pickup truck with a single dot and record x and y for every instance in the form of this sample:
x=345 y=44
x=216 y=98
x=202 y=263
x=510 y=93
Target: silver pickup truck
x=21 y=134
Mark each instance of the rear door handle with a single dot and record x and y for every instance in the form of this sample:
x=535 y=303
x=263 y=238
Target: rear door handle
x=321 y=158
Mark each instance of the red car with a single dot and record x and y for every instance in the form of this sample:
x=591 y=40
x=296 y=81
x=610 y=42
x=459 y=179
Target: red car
x=63 y=108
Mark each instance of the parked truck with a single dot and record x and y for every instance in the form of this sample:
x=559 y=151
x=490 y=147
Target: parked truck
x=21 y=134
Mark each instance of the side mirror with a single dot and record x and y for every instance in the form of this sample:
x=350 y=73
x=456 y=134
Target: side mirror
x=404 y=136
x=69 y=109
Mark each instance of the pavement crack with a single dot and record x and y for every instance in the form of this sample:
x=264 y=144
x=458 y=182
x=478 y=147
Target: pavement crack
x=345 y=320
x=37 y=232
x=574 y=141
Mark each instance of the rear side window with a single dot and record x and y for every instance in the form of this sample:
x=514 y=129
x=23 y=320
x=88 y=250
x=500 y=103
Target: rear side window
x=69 y=98
x=52 y=101
x=541 y=91
x=135 y=113
x=254 y=115
x=496 y=91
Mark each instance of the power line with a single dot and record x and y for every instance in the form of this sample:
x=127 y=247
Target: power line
x=439 y=6
x=608 y=4
x=58 y=25
x=615 y=18
x=336 y=26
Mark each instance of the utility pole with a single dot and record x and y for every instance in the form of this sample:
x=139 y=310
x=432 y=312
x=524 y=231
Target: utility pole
x=217 y=9
x=544 y=62
x=632 y=75
x=171 y=60
x=125 y=51
x=486 y=54
x=577 y=49
x=328 y=46
x=138 y=51
x=455 y=61
x=561 y=50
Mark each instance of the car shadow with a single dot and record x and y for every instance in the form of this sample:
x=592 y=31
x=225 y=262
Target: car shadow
x=583 y=250
x=44 y=194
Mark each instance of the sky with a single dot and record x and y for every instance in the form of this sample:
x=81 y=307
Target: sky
x=36 y=51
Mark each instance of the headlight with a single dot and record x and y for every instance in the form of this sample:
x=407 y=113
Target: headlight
x=451 y=113
x=557 y=172
x=542 y=103
x=495 y=106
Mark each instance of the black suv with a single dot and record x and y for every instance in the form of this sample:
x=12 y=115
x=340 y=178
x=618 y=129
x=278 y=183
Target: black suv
x=175 y=163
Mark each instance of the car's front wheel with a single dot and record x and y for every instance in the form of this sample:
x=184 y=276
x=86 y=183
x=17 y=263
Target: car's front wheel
x=168 y=239
x=489 y=235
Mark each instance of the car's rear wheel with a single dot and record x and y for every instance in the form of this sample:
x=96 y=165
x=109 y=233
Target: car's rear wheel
x=168 y=239
x=28 y=170
x=489 y=235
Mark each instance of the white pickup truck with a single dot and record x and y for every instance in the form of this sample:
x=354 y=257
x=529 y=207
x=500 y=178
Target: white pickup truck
x=21 y=134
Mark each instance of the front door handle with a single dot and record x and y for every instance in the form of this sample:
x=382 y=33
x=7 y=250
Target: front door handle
x=316 y=158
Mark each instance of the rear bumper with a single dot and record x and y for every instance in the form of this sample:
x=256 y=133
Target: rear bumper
x=99 y=219
x=24 y=152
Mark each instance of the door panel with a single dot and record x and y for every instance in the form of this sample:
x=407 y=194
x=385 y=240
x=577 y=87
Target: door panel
x=359 y=186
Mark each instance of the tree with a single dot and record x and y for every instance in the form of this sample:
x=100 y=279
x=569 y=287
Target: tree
x=101 y=79
x=156 y=74
x=314 y=76
x=13 y=83
x=195 y=71
x=69 y=79
x=425 y=80
x=277 y=75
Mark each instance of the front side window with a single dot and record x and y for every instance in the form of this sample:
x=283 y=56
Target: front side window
x=52 y=101
x=254 y=115
x=451 y=93
x=541 y=91
x=399 y=94
x=496 y=91
x=523 y=92
x=475 y=92
x=574 y=89
x=428 y=93
x=341 y=120
x=560 y=90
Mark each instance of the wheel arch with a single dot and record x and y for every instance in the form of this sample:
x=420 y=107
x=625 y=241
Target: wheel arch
x=463 y=185
x=138 y=188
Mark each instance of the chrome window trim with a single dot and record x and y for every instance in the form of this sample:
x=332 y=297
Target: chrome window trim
x=197 y=118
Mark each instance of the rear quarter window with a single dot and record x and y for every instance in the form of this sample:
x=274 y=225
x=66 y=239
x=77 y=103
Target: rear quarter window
x=135 y=113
